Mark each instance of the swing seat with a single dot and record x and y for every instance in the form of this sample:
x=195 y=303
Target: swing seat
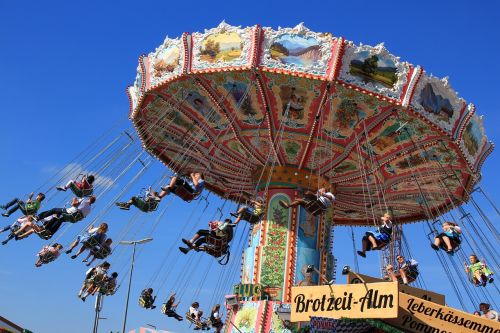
x=144 y=303
x=146 y=206
x=106 y=290
x=45 y=234
x=454 y=244
x=100 y=252
x=81 y=192
x=251 y=218
x=195 y=322
x=184 y=191
x=76 y=217
x=216 y=247
x=315 y=208
x=47 y=258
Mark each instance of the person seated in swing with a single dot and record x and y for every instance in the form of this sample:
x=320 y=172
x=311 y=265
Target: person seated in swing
x=479 y=271
x=169 y=307
x=147 y=202
x=99 y=252
x=215 y=318
x=48 y=254
x=194 y=184
x=322 y=197
x=376 y=240
x=30 y=207
x=53 y=219
x=250 y=213
x=24 y=221
x=217 y=229
x=108 y=287
x=449 y=239
x=195 y=316
x=90 y=238
x=147 y=299
x=93 y=277
x=407 y=272
x=86 y=185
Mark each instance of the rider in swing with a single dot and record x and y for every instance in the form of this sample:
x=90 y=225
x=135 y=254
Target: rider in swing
x=376 y=240
x=323 y=197
x=194 y=184
x=148 y=202
x=218 y=230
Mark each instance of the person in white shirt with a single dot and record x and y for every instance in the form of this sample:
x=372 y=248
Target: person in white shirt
x=54 y=218
x=324 y=197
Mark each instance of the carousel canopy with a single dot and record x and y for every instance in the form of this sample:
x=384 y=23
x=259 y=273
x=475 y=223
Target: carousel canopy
x=240 y=103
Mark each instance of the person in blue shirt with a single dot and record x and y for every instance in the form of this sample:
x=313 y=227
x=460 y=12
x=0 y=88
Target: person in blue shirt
x=194 y=184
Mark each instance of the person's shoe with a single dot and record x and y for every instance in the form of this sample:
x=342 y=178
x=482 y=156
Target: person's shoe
x=84 y=260
x=362 y=254
x=3 y=207
x=450 y=252
x=284 y=204
x=490 y=280
x=183 y=250
x=234 y=214
x=153 y=307
x=180 y=319
x=157 y=199
x=68 y=251
x=61 y=188
x=73 y=256
x=435 y=247
x=4 y=242
x=83 y=299
x=5 y=214
x=166 y=189
x=188 y=243
x=122 y=205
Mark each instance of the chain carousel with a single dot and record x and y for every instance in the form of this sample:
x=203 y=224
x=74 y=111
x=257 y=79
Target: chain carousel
x=277 y=113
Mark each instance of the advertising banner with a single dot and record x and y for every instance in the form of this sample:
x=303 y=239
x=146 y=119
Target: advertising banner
x=418 y=315
x=323 y=325
x=371 y=300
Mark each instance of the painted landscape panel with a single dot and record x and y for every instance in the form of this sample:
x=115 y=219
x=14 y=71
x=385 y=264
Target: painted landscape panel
x=221 y=47
x=373 y=68
x=296 y=49
x=435 y=102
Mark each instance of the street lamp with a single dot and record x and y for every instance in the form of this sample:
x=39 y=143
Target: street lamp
x=135 y=242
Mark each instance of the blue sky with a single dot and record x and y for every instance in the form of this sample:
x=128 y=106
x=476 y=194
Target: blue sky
x=65 y=66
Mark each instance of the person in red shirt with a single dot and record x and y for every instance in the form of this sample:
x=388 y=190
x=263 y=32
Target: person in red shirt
x=86 y=184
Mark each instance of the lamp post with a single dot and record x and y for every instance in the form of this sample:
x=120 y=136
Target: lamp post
x=135 y=242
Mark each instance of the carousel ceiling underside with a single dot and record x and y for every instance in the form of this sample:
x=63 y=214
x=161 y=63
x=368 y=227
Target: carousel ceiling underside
x=232 y=100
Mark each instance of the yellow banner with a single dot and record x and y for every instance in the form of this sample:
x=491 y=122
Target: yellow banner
x=371 y=300
x=417 y=315
x=420 y=293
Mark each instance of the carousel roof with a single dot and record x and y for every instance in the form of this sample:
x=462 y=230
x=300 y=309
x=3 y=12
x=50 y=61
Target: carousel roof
x=234 y=101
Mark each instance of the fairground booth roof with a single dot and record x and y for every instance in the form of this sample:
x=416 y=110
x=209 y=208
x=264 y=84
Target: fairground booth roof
x=239 y=102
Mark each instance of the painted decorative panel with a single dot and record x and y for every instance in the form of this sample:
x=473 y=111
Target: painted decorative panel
x=224 y=46
x=374 y=69
x=296 y=50
x=436 y=100
x=167 y=61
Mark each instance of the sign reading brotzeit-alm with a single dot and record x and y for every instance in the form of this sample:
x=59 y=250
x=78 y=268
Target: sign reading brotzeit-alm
x=371 y=300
